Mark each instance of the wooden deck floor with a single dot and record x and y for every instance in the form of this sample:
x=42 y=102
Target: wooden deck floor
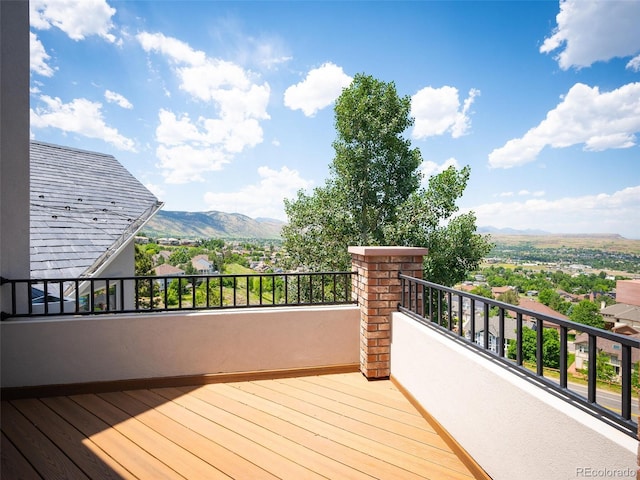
x=332 y=426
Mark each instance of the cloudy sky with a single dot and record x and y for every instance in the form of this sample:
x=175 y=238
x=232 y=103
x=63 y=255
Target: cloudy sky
x=229 y=105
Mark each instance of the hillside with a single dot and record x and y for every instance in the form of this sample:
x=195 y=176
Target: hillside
x=601 y=242
x=210 y=225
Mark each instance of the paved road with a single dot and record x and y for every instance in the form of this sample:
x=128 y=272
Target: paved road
x=607 y=399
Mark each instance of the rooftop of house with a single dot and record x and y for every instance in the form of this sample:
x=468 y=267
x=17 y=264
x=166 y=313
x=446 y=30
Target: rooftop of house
x=622 y=312
x=535 y=306
x=608 y=346
x=167 y=270
x=84 y=206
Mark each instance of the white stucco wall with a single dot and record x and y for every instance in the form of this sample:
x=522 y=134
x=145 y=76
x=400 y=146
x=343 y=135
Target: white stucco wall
x=14 y=145
x=117 y=347
x=512 y=428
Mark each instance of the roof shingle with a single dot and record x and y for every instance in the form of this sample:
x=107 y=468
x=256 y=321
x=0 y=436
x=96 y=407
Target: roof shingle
x=84 y=206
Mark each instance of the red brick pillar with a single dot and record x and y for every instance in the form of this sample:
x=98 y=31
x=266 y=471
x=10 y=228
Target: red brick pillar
x=378 y=291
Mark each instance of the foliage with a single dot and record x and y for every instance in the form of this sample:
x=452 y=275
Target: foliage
x=143 y=262
x=604 y=370
x=550 y=347
x=510 y=296
x=482 y=291
x=212 y=243
x=180 y=256
x=373 y=195
x=587 y=313
x=635 y=377
x=553 y=300
x=175 y=290
x=614 y=254
x=214 y=294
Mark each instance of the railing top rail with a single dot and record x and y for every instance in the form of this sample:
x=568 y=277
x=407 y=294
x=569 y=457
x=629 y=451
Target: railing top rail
x=615 y=337
x=4 y=280
x=57 y=296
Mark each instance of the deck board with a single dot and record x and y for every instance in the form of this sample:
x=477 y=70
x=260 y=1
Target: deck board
x=67 y=438
x=327 y=427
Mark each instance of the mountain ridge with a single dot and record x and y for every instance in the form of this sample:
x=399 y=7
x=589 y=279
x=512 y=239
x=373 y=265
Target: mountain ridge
x=216 y=224
x=211 y=224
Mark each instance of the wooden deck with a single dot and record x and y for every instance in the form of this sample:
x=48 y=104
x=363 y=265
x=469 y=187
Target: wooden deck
x=333 y=426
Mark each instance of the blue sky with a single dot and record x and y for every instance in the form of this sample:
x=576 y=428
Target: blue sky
x=229 y=105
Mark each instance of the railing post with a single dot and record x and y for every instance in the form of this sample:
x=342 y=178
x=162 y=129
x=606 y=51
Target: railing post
x=378 y=291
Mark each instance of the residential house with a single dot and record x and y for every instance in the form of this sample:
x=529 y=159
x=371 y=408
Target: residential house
x=627 y=310
x=621 y=314
x=535 y=306
x=166 y=270
x=85 y=211
x=628 y=292
x=494 y=331
x=202 y=265
x=497 y=291
x=612 y=349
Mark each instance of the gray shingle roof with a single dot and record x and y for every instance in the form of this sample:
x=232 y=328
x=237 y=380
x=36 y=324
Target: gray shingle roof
x=84 y=206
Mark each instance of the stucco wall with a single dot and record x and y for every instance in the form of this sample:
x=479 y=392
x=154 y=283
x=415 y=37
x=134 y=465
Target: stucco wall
x=14 y=144
x=116 y=347
x=512 y=428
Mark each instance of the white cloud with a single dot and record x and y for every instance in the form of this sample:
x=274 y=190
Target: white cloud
x=77 y=19
x=79 y=116
x=187 y=163
x=602 y=213
x=437 y=111
x=527 y=193
x=176 y=50
x=222 y=82
x=318 y=90
x=429 y=168
x=39 y=57
x=634 y=64
x=196 y=141
x=262 y=199
x=157 y=190
x=585 y=116
x=239 y=102
x=270 y=56
x=592 y=31
x=118 y=99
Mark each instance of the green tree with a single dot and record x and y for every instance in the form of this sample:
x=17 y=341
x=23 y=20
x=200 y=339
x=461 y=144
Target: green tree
x=510 y=296
x=604 y=370
x=549 y=297
x=143 y=262
x=550 y=347
x=179 y=256
x=373 y=195
x=482 y=291
x=587 y=313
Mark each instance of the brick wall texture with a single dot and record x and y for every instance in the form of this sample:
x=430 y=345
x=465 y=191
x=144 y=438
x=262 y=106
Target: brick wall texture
x=377 y=289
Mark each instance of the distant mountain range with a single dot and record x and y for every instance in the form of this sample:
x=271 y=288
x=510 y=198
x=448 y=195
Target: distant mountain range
x=211 y=225
x=511 y=231
x=216 y=224
x=543 y=233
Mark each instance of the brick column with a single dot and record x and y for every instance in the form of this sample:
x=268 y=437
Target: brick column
x=378 y=291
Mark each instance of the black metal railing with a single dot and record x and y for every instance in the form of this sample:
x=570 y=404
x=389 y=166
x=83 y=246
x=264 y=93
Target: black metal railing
x=94 y=296
x=481 y=323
